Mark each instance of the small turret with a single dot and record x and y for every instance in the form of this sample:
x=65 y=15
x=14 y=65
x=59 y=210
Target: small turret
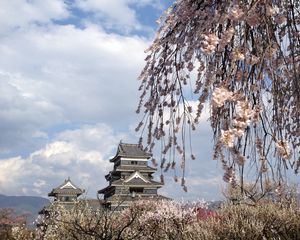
x=67 y=192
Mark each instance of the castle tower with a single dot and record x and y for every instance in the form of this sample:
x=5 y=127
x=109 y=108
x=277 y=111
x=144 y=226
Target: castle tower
x=130 y=179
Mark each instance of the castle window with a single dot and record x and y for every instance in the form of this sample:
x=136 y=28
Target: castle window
x=136 y=190
x=134 y=162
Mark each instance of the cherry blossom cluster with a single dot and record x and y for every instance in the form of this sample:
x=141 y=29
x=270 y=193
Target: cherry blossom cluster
x=283 y=150
x=226 y=38
x=243 y=117
x=209 y=43
x=236 y=13
x=229 y=175
x=220 y=96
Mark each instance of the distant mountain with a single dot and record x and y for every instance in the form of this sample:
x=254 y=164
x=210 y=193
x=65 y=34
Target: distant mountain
x=24 y=204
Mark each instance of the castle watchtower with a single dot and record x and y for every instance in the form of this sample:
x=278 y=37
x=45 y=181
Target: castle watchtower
x=131 y=177
x=66 y=193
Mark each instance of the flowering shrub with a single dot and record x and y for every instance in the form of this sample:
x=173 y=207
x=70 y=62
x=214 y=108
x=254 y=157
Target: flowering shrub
x=161 y=219
x=81 y=222
x=204 y=214
x=265 y=221
x=151 y=220
x=13 y=226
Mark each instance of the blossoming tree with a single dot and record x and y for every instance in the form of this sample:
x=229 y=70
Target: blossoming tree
x=240 y=58
x=14 y=226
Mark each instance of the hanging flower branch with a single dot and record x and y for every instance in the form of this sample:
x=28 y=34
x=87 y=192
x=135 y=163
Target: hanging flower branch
x=242 y=58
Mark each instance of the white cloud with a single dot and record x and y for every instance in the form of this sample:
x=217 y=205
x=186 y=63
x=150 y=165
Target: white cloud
x=66 y=75
x=54 y=77
x=86 y=164
x=91 y=137
x=20 y=13
x=39 y=183
x=119 y=15
x=201 y=186
x=201 y=181
x=10 y=170
x=23 y=114
x=113 y=13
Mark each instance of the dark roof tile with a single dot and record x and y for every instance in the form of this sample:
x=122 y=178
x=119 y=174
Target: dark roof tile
x=130 y=151
x=136 y=182
x=67 y=187
x=133 y=168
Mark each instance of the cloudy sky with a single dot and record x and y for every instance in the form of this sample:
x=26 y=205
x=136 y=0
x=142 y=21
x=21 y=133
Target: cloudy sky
x=68 y=94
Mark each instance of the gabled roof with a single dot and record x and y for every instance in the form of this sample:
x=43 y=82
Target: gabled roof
x=136 y=181
x=136 y=175
x=67 y=187
x=130 y=151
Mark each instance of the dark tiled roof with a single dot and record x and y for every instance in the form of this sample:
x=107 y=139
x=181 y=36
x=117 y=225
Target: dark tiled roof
x=133 y=168
x=130 y=151
x=117 y=199
x=136 y=182
x=67 y=187
x=92 y=203
x=103 y=190
x=133 y=182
